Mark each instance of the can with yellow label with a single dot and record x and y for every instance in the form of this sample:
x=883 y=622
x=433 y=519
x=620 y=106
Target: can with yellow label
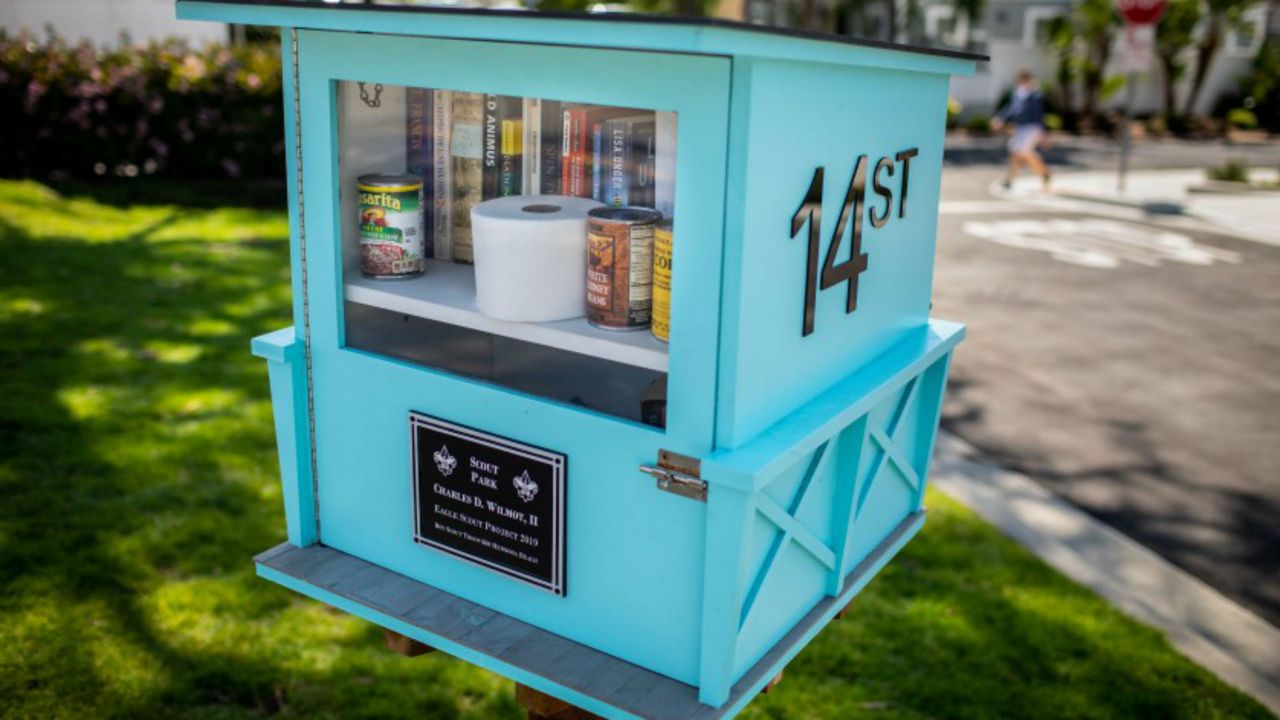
x=661 y=324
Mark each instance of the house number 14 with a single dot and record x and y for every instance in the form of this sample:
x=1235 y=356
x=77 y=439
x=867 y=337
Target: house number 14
x=836 y=271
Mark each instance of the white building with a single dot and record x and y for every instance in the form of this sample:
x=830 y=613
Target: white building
x=102 y=21
x=1015 y=36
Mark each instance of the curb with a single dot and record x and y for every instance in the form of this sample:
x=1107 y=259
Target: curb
x=1239 y=647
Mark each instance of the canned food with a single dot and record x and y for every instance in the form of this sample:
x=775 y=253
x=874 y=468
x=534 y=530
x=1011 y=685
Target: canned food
x=390 y=225
x=661 y=327
x=620 y=267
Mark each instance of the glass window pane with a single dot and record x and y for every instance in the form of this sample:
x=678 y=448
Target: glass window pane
x=520 y=241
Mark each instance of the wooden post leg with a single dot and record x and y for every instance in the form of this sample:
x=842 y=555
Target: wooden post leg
x=772 y=683
x=542 y=706
x=406 y=646
x=842 y=611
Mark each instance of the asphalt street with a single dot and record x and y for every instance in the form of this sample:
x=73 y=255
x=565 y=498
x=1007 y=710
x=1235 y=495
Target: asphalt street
x=1129 y=363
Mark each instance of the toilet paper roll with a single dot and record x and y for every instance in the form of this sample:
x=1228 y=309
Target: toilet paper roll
x=531 y=257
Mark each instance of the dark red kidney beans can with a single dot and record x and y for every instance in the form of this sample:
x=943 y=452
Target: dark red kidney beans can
x=620 y=267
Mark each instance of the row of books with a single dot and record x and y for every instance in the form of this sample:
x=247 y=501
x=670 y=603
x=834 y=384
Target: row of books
x=470 y=147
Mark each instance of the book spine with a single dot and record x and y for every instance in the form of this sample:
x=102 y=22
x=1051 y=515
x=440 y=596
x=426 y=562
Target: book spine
x=576 y=142
x=642 y=151
x=532 y=179
x=510 y=146
x=492 y=122
x=467 y=145
x=664 y=164
x=599 y=156
x=617 y=145
x=441 y=167
x=549 y=157
x=419 y=145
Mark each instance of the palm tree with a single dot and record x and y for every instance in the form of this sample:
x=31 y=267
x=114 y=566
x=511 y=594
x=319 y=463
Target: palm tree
x=1174 y=34
x=1062 y=37
x=1222 y=14
x=1096 y=24
x=972 y=11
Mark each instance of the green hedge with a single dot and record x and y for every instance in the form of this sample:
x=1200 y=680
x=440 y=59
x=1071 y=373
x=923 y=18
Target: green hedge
x=163 y=109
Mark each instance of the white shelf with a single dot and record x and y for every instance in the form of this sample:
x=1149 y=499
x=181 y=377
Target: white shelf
x=446 y=293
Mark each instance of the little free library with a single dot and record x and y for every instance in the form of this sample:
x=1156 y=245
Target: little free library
x=611 y=367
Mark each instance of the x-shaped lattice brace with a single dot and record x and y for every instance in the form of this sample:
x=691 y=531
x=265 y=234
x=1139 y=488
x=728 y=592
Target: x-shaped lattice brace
x=848 y=505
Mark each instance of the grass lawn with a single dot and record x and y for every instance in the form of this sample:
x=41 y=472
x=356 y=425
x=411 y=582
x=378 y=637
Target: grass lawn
x=138 y=478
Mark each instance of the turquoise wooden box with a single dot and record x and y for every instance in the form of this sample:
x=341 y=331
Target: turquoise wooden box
x=806 y=386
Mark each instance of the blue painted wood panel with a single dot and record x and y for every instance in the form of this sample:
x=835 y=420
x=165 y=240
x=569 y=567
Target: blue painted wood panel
x=628 y=563
x=788 y=119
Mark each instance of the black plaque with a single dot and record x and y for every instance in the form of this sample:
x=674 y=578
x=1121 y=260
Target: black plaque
x=490 y=500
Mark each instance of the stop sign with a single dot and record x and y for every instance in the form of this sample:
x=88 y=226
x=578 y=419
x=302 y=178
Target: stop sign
x=1141 y=12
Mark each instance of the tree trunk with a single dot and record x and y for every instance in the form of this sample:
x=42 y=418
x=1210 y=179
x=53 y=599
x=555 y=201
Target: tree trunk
x=1099 y=53
x=1205 y=54
x=1065 y=86
x=1167 y=63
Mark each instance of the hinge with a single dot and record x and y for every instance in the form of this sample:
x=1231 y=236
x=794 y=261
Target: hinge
x=679 y=474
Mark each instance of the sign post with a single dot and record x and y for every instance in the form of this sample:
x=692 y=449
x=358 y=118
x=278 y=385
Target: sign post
x=1140 y=18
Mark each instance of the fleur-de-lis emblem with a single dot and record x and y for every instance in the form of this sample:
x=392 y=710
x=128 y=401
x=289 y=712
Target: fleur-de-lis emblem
x=445 y=462
x=526 y=488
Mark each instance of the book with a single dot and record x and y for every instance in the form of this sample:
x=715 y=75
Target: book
x=442 y=177
x=466 y=150
x=510 y=146
x=573 y=152
x=664 y=164
x=532 y=146
x=419 y=150
x=599 y=153
x=642 y=151
x=626 y=161
x=549 y=154
x=579 y=147
x=492 y=123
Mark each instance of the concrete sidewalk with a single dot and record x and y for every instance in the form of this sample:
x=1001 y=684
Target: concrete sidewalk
x=1249 y=215
x=1233 y=643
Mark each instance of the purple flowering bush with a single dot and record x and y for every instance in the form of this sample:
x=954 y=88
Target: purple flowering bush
x=163 y=109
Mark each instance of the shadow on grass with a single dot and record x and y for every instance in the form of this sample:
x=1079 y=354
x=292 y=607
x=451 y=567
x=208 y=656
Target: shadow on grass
x=137 y=471
x=263 y=194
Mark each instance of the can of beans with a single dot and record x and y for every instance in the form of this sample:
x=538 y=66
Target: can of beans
x=620 y=267
x=661 y=327
x=390 y=225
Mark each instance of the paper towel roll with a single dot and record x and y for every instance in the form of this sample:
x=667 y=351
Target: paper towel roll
x=531 y=257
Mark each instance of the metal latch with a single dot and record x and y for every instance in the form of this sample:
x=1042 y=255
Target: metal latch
x=679 y=474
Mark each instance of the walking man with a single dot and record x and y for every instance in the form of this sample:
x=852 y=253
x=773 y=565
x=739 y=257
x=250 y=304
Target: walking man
x=1026 y=113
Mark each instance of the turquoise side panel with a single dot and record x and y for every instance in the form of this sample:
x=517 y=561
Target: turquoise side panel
x=794 y=118
x=286 y=371
x=634 y=558
x=821 y=490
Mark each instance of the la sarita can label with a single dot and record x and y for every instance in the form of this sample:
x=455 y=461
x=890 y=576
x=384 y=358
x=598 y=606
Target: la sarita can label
x=620 y=267
x=390 y=225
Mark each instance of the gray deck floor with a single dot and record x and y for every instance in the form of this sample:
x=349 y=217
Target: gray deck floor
x=631 y=690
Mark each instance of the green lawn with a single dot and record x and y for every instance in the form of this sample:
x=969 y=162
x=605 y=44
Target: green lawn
x=138 y=478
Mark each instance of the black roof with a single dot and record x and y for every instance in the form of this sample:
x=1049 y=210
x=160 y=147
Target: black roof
x=616 y=17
